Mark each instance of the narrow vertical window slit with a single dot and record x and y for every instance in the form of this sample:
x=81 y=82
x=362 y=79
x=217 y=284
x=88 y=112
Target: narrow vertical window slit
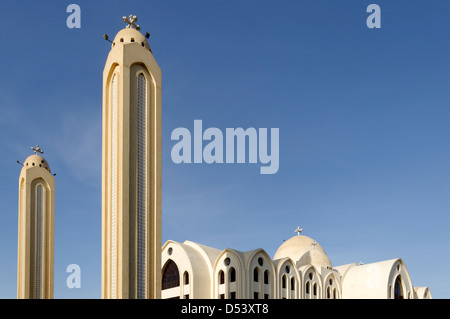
x=39 y=238
x=141 y=186
x=114 y=152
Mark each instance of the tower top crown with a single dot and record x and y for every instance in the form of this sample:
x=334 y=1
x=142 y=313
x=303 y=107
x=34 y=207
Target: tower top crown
x=36 y=160
x=130 y=35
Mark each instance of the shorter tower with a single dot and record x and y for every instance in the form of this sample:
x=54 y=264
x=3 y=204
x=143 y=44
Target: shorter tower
x=36 y=229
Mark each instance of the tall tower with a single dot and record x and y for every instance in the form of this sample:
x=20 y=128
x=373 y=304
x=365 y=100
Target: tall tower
x=131 y=169
x=36 y=229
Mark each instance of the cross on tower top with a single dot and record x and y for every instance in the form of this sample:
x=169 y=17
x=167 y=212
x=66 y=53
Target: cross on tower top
x=37 y=150
x=131 y=22
x=298 y=230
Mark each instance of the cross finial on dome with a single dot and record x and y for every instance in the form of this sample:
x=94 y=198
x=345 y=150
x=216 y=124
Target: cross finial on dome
x=37 y=149
x=131 y=22
x=314 y=243
x=298 y=230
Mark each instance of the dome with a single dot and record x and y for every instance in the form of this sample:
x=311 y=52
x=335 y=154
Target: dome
x=36 y=161
x=130 y=35
x=303 y=251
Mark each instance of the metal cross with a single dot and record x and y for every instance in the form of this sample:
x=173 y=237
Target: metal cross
x=298 y=230
x=37 y=149
x=131 y=22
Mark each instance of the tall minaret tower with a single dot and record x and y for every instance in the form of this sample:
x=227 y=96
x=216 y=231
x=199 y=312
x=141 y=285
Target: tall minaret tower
x=36 y=229
x=131 y=168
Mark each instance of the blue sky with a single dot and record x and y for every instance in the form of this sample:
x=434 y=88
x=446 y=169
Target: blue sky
x=363 y=118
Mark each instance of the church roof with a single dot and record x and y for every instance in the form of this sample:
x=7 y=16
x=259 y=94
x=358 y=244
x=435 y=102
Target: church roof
x=209 y=253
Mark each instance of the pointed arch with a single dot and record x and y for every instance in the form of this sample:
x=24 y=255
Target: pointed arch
x=312 y=282
x=231 y=263
x=331 y=287
x=260 y=265
x=288 y=279
x=221 y=277
x=398 y=288
x=170 y=275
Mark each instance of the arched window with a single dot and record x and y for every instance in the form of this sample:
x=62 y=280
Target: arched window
x=398 y=291
x=307 y=287
x=266 y=277
x=292 y=284
x=170 y=275
x=221 y=277
x=328 y=292
x=315 y=289
x=232 y=274
x=255 y=274
x=186 y=278
x=283 y=281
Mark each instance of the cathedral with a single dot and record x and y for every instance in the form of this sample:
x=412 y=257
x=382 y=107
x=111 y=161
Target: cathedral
x=135 y=264
x=300 y=269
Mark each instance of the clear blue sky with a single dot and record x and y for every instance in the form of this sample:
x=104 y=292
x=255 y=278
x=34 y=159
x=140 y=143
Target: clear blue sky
x=363 y=117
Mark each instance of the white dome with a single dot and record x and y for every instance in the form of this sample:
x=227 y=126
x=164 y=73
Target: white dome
x=304 y=251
